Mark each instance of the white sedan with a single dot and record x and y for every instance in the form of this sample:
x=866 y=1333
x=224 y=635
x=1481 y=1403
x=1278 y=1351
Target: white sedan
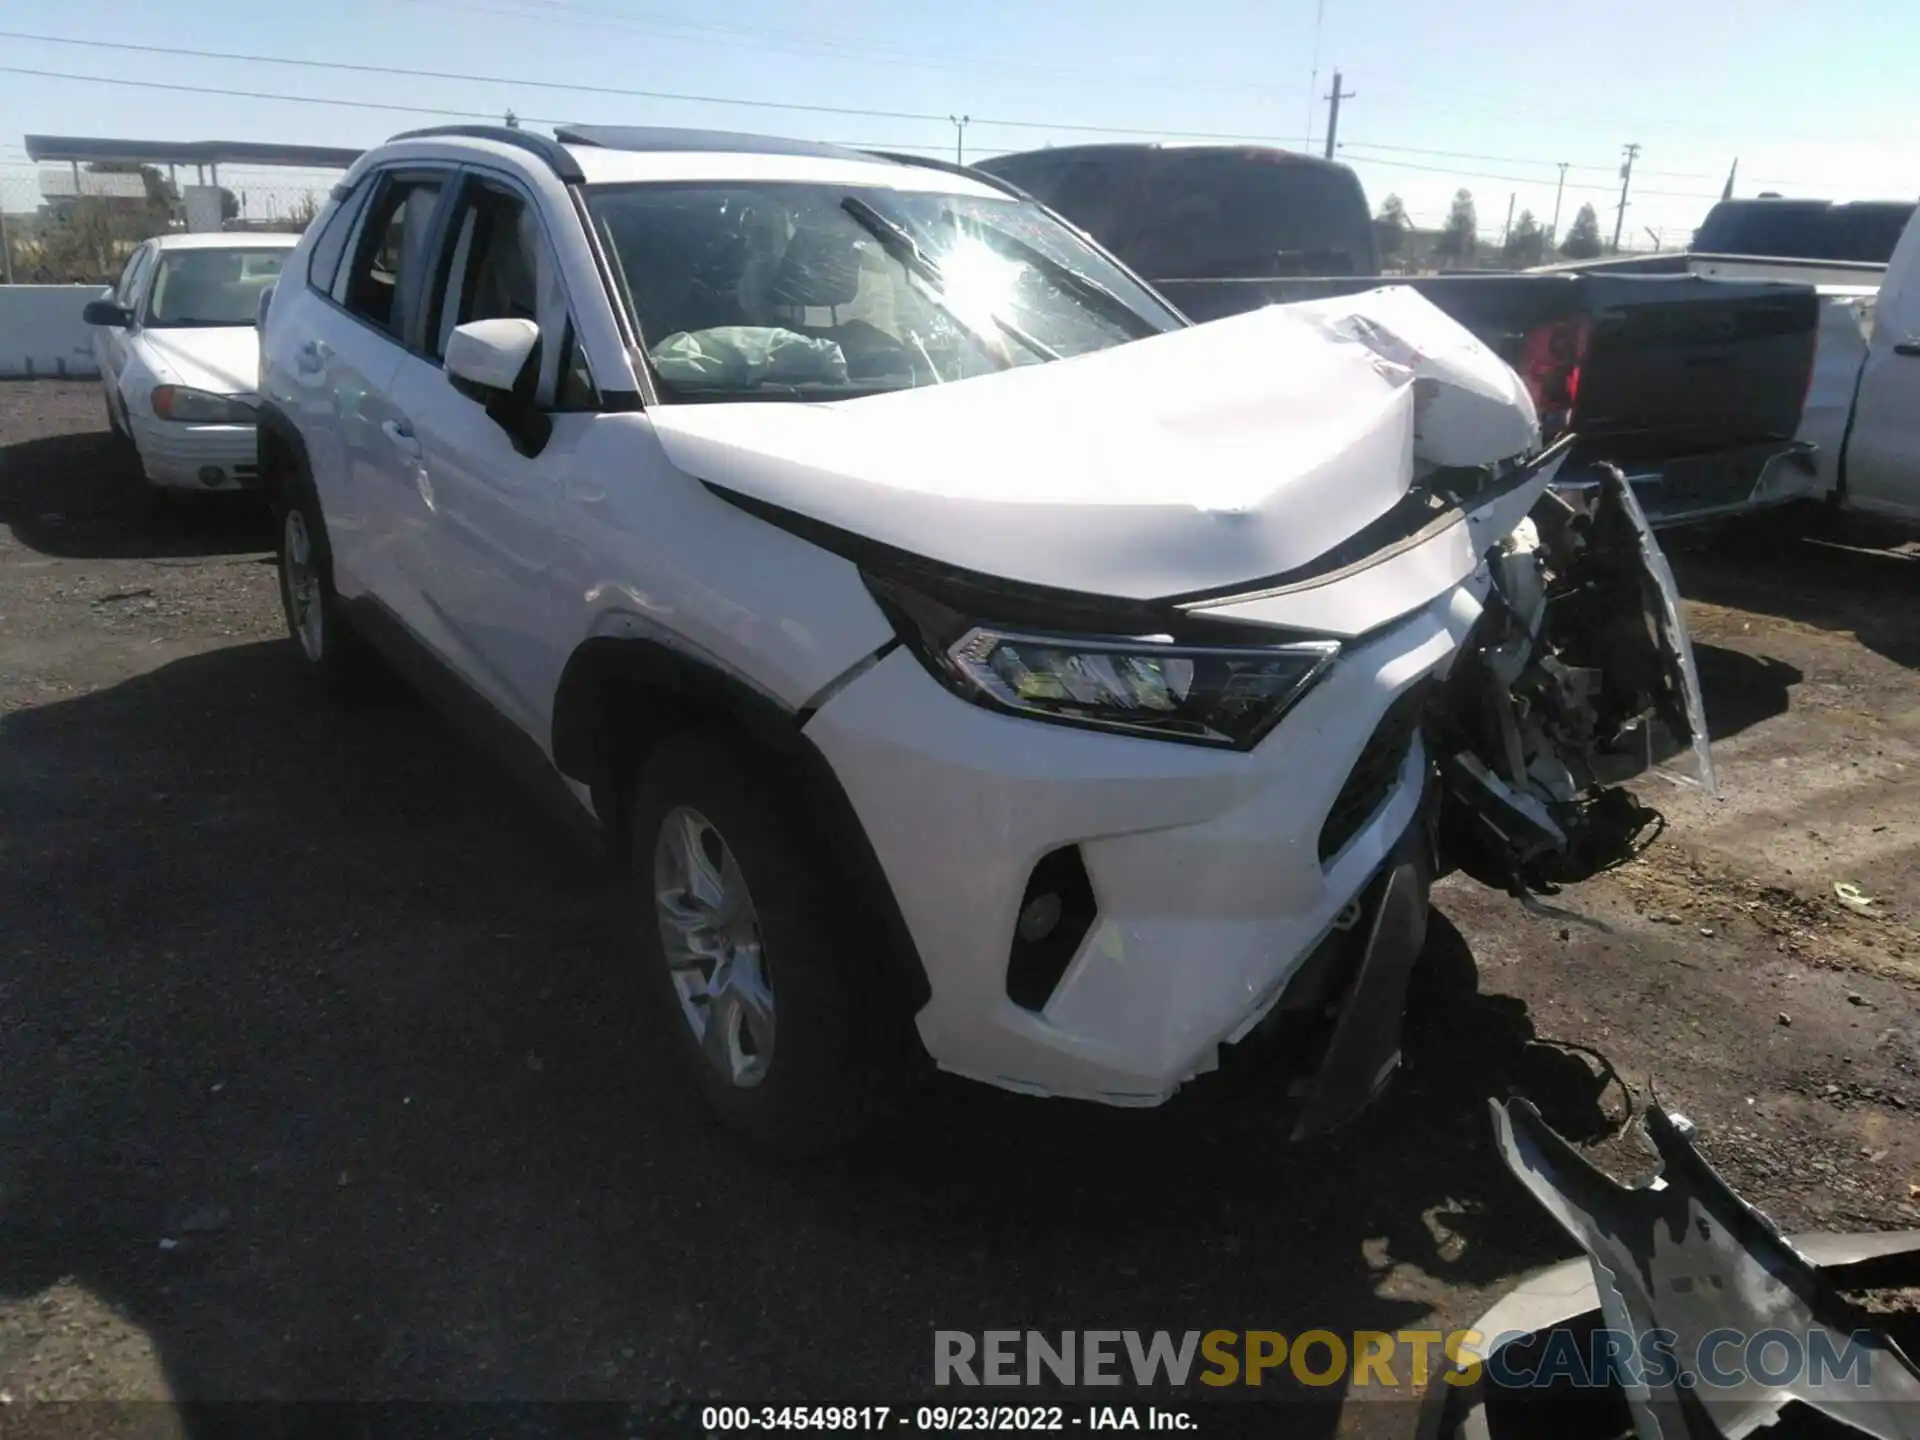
x=179 y=356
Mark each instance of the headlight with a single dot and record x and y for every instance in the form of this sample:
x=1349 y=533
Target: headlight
x=1203 y=694
x=199 y=407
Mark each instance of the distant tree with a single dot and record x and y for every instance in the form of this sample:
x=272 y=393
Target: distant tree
x=1583 y=236
x=1460 y=235
x=229 y=204
x=1526 y=242
x=1390 y=227
x=300 y=215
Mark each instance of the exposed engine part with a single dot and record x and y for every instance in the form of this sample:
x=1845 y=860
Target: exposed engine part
x=1578 y=676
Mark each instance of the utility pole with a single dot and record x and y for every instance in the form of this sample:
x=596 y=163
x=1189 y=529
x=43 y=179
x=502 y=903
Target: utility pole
x=1512 y=195
x=1553 y=230
x=1333 y=113
x=960 y=123
x=1626 y=178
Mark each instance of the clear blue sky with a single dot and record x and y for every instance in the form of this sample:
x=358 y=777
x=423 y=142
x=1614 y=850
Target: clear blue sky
x=1812 y=99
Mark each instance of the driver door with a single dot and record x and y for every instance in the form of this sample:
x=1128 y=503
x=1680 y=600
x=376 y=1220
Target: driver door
x=491 y=549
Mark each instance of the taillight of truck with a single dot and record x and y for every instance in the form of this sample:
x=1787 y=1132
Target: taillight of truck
x=1550 y=361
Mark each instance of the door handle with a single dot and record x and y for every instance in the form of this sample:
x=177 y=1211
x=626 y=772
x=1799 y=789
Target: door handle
x=401 y=434
x=1908 y=347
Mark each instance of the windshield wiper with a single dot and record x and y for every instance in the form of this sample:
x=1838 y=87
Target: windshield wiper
x=898 y=242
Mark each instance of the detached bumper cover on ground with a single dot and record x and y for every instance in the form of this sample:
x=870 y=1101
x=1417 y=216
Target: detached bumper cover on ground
x=1683 y=1260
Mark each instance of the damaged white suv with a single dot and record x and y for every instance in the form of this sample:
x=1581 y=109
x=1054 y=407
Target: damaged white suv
x=975 y=660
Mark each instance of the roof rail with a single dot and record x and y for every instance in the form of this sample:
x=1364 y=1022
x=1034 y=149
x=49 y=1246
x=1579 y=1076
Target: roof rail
x=550 y=151
x=661 y=139
x=928 y=162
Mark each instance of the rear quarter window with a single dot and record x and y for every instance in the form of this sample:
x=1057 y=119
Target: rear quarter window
x=323 y=261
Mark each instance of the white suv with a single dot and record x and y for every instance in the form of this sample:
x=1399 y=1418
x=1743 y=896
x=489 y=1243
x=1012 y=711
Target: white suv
x=974 y=659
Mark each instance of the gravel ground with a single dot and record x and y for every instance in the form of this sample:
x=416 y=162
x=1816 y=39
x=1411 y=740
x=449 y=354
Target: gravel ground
x=320 y=1086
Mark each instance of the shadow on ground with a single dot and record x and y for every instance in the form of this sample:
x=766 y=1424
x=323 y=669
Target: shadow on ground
x=320 y=998
x=1803 y=566
x=82 y=496
x=1742 y=690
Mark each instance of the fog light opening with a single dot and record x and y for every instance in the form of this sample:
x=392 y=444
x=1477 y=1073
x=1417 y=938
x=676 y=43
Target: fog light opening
x=1040 y=917
x=211 y=475
x=1056 y=912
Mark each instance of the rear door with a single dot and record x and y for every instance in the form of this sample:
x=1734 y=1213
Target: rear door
x=376 y=296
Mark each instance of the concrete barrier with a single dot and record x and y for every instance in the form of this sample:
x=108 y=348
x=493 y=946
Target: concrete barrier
x=41 y=332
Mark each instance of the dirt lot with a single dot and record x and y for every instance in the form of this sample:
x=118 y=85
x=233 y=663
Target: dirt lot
x=319 y=1084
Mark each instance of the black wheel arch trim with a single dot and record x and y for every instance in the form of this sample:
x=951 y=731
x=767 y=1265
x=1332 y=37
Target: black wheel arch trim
x=579 y=750
x=272 y=426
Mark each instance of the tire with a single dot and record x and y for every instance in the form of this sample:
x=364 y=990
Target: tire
x=323 y=638
x=833 y=1052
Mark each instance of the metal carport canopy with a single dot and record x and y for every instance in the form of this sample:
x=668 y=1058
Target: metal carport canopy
x=90 y=150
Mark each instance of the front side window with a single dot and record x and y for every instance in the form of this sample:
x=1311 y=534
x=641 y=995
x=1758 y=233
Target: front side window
x=499 y=266
x=210 y=287
x=776 y=290
x=494 y=270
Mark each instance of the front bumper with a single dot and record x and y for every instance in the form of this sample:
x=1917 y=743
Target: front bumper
x=1215 y=875
x=197 y=457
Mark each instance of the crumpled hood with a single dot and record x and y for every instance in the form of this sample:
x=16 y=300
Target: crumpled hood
x=223 y=359
x=1205 y=457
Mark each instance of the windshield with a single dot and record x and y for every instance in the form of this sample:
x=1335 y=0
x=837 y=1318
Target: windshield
x=772 y=290
x=211 y=287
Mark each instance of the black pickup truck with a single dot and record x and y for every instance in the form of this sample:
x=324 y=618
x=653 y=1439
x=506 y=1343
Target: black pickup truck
x=1692 y=386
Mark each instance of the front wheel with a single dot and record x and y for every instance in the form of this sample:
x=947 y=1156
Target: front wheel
x=760 y=969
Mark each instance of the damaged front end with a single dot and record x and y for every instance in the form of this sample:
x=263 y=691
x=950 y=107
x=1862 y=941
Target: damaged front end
x=1578 y=676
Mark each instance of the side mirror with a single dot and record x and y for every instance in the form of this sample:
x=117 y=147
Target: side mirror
x=106 y=312
x=491 y=354
x=497 y=362
x=260 y=308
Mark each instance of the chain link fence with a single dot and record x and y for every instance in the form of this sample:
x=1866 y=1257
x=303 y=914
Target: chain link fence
x=64 y=238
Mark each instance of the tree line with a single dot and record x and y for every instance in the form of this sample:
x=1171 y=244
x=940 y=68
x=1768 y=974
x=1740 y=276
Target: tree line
x=1458 y=241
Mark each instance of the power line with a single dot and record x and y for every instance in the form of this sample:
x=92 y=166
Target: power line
x=1518 y=160
x=584 y=89
x=653 y=25
x=1528 y=179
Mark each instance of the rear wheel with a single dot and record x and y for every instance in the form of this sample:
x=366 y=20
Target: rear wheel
x=762 y=974
x=324 y=639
